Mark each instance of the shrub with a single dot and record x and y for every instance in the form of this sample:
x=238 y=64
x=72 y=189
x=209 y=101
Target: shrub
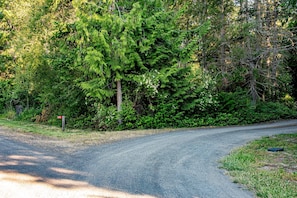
x=146 y=122
x=9 y=114
x=29 y=115
x=230 y=102
x=275 y=110
x=82 y=122
x=106 y=118
x=128 y=116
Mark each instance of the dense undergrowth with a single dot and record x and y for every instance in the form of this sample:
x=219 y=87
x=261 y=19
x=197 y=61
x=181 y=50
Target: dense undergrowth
x=230 y=109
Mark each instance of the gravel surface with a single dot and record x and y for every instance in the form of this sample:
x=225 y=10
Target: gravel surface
x=177 y=164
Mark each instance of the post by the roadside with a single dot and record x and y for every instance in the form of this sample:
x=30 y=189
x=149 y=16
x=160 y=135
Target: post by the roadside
x=63 y=118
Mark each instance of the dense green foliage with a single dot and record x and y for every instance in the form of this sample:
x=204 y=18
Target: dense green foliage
x=116 y=64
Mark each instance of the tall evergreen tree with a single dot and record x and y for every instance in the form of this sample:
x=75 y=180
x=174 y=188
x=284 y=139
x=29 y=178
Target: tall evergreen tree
x=6 y=71
x=108 y=46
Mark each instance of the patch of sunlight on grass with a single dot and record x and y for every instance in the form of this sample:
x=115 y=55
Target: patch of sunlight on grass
x=268 y=174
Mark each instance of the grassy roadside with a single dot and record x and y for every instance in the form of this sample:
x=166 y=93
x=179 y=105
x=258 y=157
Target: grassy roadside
x=268 y=174
x=82 y=137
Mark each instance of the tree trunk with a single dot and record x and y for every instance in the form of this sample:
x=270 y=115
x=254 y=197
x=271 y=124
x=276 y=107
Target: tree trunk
x=119 y=98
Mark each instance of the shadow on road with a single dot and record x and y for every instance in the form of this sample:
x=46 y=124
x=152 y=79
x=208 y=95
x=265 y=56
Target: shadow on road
x=27 y=172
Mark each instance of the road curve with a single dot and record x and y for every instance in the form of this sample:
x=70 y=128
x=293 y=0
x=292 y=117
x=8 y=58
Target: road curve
x=177 y=164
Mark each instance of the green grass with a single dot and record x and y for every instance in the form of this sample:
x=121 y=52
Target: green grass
x=30 y=127
x=268 y=174
x=78 y=136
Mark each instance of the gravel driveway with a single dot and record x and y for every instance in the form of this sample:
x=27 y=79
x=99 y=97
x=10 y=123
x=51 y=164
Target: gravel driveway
x=177 y=164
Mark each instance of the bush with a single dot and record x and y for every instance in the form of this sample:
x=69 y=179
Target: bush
x=106 y=118
x=81 y=122
x=128 y=116
x=275 y=110
x=9 y=114
x=29 y=115
x=146 y=122
x=188 y=122
x=230 y=102
x=5 y=94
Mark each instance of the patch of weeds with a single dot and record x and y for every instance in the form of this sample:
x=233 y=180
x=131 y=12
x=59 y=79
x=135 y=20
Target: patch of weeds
x=268 y=174
x=238 y=161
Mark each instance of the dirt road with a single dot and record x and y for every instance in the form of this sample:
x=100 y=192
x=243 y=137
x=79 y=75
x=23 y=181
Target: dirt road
x=178 y=164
